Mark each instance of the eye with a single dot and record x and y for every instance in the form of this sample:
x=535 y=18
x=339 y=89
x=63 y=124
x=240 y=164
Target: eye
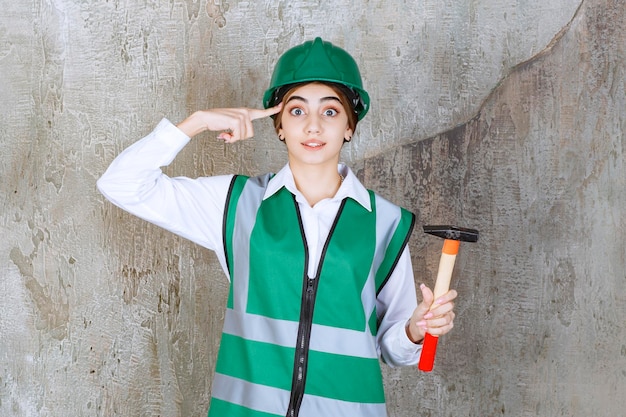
x=330 y=112
x=296 y=111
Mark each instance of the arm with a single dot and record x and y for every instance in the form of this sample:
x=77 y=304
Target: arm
x=394 y=305
x=190 y=208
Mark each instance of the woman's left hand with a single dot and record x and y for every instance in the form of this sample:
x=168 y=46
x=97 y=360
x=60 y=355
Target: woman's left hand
x=433 y=316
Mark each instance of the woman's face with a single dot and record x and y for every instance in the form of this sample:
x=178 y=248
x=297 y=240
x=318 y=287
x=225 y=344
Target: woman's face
x=314 y=125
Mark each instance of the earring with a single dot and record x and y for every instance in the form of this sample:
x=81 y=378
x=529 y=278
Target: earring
x=281 y=138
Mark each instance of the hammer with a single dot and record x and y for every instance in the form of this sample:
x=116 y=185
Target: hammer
x=453 y=237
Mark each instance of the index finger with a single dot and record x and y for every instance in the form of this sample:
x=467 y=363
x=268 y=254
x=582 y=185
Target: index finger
x=446 y=298
x=261 y=113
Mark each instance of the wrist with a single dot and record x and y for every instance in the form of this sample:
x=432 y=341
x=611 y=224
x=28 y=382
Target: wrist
x=192 y=125
x=414 y=338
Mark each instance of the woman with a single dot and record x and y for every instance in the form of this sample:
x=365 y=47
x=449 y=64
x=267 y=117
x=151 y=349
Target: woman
x=321 y=283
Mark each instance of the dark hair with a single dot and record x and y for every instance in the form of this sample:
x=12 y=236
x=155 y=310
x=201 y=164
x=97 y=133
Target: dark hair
x=346 y=97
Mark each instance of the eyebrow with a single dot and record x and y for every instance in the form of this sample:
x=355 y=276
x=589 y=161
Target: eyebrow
x=323 y=99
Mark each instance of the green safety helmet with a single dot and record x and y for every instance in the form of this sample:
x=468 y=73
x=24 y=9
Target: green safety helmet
x=318 y=61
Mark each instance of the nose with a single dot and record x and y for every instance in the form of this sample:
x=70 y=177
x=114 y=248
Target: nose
x=313 y=124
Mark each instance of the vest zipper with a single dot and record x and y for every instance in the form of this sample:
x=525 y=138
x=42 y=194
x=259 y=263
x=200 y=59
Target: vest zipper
x=309 y=292
x=301 y=359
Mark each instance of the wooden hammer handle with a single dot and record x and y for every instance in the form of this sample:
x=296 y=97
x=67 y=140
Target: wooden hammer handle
x=442 y=285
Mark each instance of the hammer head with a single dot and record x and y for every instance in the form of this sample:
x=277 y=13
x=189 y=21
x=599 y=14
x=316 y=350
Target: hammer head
x=453 y=233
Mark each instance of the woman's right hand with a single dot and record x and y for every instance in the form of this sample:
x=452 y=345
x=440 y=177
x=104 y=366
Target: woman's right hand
x=233 y=123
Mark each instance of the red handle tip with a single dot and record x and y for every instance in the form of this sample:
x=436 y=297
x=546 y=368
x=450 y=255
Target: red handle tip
x=429 y=349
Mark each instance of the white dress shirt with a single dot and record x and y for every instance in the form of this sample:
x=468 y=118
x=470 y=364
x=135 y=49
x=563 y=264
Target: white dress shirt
x=194 y=209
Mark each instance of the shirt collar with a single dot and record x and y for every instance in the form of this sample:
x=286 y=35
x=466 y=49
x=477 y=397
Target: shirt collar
x=350 y=187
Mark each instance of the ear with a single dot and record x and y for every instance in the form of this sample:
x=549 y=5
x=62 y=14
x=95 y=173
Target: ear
x=348 y=135
x=281 y=135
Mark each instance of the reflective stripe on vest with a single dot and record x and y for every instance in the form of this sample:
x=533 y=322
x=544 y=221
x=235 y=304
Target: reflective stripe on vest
x=267 y=401
x=279 y=355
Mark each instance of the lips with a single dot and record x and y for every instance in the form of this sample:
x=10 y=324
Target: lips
x=313 y=143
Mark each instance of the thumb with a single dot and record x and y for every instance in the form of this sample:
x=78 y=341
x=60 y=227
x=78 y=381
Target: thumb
x=427 y=301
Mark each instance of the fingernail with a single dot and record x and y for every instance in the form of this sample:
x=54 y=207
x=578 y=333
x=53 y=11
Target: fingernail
x=428 y=316
x=421 y=323
x=422 y=286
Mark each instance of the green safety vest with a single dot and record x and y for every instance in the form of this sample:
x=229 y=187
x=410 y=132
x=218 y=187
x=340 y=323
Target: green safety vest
x=294 y=345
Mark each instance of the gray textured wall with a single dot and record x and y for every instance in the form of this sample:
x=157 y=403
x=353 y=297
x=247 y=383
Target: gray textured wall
x=506 y=116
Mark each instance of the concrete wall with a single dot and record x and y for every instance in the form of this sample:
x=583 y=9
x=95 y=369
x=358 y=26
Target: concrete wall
x=506 y=116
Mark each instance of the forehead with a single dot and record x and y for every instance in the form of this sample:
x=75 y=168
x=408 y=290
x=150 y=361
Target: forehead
x=314 y=91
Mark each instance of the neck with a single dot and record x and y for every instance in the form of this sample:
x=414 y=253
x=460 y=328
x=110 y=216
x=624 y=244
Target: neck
x=316 y=183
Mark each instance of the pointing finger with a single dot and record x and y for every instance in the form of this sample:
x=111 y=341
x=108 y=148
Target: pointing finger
x=261 y=113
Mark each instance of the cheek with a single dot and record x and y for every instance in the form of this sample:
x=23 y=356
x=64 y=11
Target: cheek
x=288 y=123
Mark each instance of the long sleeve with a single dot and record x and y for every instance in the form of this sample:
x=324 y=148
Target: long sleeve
x=396 y=303
x=191 y=208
